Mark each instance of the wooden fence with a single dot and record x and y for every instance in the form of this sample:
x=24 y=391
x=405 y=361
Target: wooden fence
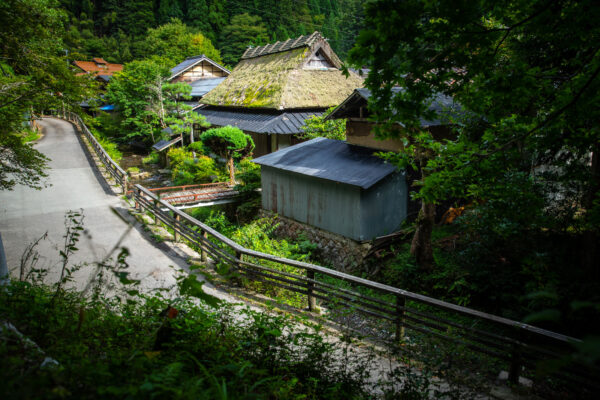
x=111 y=165
x=519 y=346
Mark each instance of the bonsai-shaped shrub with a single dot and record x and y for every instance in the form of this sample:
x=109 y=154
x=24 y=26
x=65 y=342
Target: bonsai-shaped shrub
x=228 y=142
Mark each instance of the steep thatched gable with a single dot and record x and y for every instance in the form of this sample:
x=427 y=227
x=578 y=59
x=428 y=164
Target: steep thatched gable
x=297 y=73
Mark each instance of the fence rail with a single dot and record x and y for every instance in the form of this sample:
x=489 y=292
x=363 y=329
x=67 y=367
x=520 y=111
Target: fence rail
x=391 y=310
x=111 y=165
x=518 y=345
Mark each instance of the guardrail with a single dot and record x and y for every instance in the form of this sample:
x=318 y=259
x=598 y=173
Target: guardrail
x=111 y=165
x=519 y=346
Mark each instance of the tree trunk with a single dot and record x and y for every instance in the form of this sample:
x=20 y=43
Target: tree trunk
x=231 y=171
x=421 y=247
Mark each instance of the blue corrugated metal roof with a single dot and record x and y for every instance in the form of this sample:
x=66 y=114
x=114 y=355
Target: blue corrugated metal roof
x=203 y=86
x=333 y=160
x=279 y=122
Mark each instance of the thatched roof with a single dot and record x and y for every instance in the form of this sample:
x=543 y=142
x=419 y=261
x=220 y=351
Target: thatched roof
x=283 y=76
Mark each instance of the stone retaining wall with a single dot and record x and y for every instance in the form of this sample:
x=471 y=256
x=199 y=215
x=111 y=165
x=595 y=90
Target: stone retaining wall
x=341 y=253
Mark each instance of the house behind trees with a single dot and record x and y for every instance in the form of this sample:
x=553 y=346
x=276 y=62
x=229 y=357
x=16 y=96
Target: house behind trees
x=275 y=88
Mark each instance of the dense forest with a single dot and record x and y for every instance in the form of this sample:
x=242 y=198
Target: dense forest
x=114 y=29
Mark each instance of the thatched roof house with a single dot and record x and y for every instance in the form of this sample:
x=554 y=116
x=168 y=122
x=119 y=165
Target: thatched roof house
x=276 y=87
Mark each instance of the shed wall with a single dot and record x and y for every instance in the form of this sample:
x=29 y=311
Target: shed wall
x=383 y=206
x=331 y=206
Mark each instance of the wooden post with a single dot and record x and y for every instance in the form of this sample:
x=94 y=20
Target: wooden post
x=515 y=364
x=312 y=301
x=176 y=234
x=202 y=250
x=400 y=305
x=155 y=211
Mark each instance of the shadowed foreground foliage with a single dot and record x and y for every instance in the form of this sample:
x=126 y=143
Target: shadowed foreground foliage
x=107 y=349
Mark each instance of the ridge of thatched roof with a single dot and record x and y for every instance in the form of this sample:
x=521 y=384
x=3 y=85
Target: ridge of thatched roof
x=278 y=78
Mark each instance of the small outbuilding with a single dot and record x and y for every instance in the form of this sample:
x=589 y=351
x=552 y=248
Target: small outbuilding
x=335 y=186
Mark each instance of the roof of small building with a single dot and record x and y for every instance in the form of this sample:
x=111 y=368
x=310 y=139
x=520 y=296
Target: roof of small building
x=444 y=106
x=333 y=160
x=203 y=86
x=277 y=76
x=259 y=121
x=190 y=62
x=98 y=68
x=163 y=144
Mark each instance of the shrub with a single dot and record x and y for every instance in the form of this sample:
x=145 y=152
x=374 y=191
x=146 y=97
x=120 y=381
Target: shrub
x=186 y=169
x=152 y=158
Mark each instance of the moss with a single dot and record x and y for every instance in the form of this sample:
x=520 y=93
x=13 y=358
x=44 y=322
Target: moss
x=277 y=81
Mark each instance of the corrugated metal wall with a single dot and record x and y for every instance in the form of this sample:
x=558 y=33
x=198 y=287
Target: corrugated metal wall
x=384 y=206
x=335 y=207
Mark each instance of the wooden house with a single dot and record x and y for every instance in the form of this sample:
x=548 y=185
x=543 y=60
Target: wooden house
x=201 y=73
x=360 y=130
x=275 y=88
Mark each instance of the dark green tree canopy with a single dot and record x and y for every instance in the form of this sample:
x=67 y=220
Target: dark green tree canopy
x=244 y=30
x=228 y=141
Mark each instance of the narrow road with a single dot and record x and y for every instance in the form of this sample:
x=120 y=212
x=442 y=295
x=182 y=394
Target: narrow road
x=26 y=214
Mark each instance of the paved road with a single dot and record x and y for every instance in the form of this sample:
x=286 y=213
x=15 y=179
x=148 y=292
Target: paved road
x=26 y=214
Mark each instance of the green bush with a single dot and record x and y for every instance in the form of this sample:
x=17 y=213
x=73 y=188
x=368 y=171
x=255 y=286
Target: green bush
x=152 y=158
x=133 y=170
x=186 y=169
x=228 y=141
x=111 y=350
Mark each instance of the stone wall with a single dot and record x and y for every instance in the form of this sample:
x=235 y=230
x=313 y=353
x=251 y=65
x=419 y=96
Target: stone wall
x=341 y=253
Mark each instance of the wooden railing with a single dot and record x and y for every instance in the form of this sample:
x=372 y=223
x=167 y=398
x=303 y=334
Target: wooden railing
x=111 y=165
x=518 y=345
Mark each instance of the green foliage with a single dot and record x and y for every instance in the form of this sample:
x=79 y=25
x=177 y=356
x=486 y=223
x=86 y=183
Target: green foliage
x=179 y=115
x=137 y=93
x=243 y=30
x=228 y=141
x=259 y=235
x=203 y=353
x=30 y=135
x=248 y=178
x=187 y=169
x=32 y=72
x=175 y=41
x=316 y=126
x=525 y=73
x=152 y=158
x=117 y=31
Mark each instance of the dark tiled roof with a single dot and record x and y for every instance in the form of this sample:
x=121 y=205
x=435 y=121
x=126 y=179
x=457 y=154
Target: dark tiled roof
x=444 y=106
x=203 y=86
x=330 y=159
x=306 y=40
x=278 y=122
x=191 y=61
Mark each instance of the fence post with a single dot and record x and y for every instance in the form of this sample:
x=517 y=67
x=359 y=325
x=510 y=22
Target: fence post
x=176 y=235
x=312 y=301
x=136 y=194
x=155 y=212
x=515 y=364
x=400 y=310
x=202 y=245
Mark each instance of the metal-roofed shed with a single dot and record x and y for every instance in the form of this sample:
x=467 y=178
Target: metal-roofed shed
x=334 y=186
